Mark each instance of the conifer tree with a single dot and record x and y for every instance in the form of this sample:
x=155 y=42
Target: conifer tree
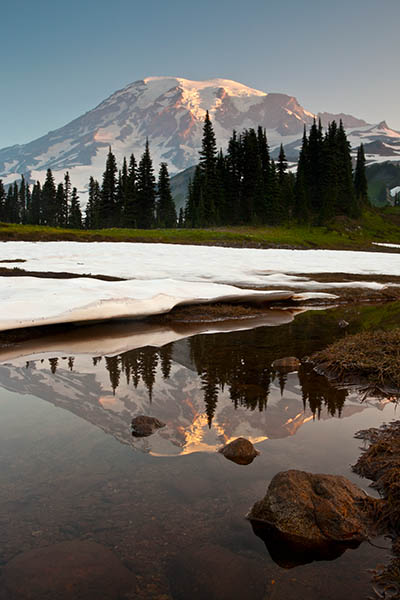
x=208 y=162
x=108 y=192
x=282 y=165
x=75 y=215
x=130 y=196
x=66 y=201
x=9 y=210
x=60 y=201
x=35 y=214
x=166 y=211
x=22 y=201
x=48 y=200
x=146 y=191
x=2 y=201
x=360 y=178
x=92 y=206
x=28 y=201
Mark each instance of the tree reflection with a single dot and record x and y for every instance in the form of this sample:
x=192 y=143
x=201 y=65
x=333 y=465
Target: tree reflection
x=237 y=362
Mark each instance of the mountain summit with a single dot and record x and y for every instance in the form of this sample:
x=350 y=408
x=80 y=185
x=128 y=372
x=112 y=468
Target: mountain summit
x=169 y=112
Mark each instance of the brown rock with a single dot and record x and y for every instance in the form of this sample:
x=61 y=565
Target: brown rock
x=317 y=515
x=288 y=363
x=71 y=570
x=143 y=426
x=240 y=451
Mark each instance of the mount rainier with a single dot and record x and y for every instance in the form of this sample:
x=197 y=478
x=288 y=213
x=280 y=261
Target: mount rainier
x=169 y=111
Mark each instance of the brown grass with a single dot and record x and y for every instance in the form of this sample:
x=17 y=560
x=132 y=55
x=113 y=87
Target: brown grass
x=372 y=356
x=380 y=462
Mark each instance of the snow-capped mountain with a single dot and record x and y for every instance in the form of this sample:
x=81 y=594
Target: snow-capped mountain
x=169 y=111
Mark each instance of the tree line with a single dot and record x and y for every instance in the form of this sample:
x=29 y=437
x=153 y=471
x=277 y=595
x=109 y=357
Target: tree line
x=243 y=186
x=129 y=197
x=246 y=186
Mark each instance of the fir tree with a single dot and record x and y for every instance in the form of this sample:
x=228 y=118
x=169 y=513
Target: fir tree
x=92 y=206
x=130 y=197
x=2 y=201
x=166 y=211
x=35 y=214
x=48 y=200
x=22 y=201
x=60 y=203
x=146 y=191
x=208 y=161
x=75 y=215
x=66 y=201
x=360 y=178
x=282 y=165
x=108 y=192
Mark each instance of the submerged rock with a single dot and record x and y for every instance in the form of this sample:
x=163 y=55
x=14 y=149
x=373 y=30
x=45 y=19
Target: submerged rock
x=67 y=571
x=306 y=516
x=342 y=323
x=288 y=363
x=240 y=451
x=143 y=426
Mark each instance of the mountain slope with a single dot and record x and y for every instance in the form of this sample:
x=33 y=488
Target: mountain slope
x=169 y=111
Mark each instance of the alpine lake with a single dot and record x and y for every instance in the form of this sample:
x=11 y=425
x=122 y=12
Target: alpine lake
x=89 y=511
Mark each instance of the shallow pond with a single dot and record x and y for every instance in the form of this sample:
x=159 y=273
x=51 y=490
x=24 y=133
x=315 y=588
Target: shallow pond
x=168 y=506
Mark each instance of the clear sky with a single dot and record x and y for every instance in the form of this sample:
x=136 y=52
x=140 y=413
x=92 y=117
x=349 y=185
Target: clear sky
x=60 y=59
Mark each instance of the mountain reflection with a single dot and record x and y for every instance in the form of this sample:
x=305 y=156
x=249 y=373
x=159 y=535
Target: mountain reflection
x=239 y=364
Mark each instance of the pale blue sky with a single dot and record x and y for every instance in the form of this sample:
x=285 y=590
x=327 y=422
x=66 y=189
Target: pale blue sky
x=60 y=59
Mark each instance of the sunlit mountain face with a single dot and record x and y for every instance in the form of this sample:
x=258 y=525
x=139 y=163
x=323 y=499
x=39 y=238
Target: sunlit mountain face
x=169 y=112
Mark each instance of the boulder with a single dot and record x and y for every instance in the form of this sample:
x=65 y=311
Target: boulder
x=72 y=570
x=306 y=516
x=240 y=451
x=286 y=364
x=143 y=426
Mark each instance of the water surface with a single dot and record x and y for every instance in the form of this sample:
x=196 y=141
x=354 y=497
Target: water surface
x=169 y=506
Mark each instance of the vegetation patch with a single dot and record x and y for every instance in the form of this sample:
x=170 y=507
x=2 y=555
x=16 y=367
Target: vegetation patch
x=371 y=356
x=380 y=462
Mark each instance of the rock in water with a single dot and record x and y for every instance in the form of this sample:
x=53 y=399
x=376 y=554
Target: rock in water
x=67 y=571
x=305 y=517
x=240 y=451
x=143 y=426
x=286 y=364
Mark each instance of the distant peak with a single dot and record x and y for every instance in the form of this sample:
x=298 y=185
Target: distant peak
x=233 y=87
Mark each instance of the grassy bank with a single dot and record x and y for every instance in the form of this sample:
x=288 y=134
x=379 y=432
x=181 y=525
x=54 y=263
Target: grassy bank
x=371 y=356
x=341 y=234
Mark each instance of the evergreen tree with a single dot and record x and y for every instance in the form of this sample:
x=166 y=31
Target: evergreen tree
x=66 y=201
x=208 y=162
x=130 y=196
x=360 y=178
x=35 y=214
x=48 y=200
x=108 y=193
x=347 y=203
x=166 y=211
x=181 y=220
x=75 y=215
x=92 y=206
x=2 y=201
x=22 y=201
x=282 y=165
x=60 y=202
x=146 y=191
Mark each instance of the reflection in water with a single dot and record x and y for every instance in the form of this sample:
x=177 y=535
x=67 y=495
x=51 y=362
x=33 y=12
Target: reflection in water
x=178 y=525
x=244 y=370
x=208 y=389
x=288 y=554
